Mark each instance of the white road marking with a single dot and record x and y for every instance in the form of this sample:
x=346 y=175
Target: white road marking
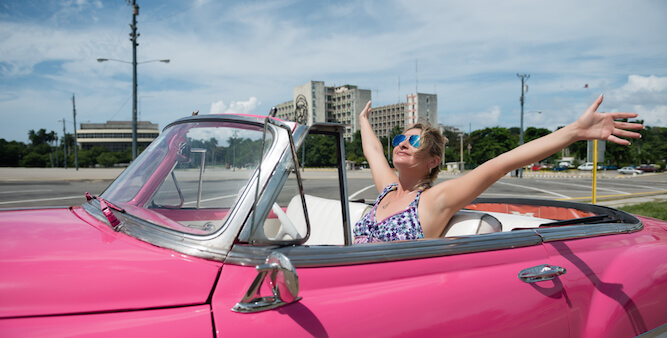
x=211 y=199
x=360 y=191
x=81 y=197
x=13 y=192
x=633 y=185
x=586 y=186
x=537 y=189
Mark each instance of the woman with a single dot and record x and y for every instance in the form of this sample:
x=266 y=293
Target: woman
x=409 y=207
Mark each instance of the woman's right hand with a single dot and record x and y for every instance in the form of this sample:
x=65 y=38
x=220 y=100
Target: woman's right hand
x=366 y=111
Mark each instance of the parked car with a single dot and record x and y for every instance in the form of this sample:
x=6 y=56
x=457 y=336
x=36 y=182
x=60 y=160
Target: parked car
x=629 y=171
x=647 y=168
x=610 y=167
x=588 y=166
x=180 y=246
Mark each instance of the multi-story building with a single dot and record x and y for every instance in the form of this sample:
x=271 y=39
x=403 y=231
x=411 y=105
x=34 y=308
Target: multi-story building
x=315 y=102
x=116 y=135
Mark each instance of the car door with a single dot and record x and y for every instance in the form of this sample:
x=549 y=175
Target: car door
x=616 y=283
x=466 y=286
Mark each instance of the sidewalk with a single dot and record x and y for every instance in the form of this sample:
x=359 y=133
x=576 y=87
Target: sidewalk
x=58 y=174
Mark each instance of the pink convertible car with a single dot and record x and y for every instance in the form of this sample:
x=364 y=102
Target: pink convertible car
x=184 y=245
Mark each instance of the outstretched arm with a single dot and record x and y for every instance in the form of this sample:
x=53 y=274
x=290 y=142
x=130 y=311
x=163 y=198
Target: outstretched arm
x=452 y=195
x=382 y=173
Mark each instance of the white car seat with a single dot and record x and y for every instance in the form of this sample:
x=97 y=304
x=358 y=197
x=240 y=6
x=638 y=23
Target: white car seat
x=470 y=222
x=326 y=219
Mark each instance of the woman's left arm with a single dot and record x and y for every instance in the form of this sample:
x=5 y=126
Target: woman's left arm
x=452 y=195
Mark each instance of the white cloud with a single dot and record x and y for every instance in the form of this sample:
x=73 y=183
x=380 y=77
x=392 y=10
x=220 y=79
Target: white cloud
x=644 y=95
x=240 y=107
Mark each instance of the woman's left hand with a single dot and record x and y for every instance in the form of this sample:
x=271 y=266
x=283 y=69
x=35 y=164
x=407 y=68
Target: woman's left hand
x=602 y=126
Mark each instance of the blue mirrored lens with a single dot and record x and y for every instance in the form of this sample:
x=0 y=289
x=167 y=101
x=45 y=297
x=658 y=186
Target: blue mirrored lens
x=397 y=140
x=413 y=140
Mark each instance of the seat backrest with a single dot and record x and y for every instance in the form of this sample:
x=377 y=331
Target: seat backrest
x=326 y=218
x=470 y=222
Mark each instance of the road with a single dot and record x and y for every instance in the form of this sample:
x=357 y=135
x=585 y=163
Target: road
x=21 y=188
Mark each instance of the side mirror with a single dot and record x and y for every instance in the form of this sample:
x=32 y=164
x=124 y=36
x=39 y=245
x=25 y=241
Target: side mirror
x=282 y=279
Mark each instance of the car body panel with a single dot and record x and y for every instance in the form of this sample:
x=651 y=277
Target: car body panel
x=432 y=296
x=614 y=287
x=61 y=264
x=191 y=321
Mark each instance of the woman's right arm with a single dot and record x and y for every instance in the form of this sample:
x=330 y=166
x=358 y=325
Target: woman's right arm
x=383 y=174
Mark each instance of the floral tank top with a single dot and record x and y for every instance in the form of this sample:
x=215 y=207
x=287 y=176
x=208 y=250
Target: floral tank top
x=400 y=226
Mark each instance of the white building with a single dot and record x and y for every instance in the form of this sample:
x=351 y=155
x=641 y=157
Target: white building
x=116 y=135
x=315 y=102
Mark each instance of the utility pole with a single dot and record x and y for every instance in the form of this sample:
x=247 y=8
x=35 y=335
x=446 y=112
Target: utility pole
x=133 y=38
x=524 y=89
x=461 y=167
x=64 y=143
x=76 y=145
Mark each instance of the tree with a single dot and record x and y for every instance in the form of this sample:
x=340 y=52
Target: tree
x=490 y=142
x=107 y=159
x=320 y=151
x=11 y=153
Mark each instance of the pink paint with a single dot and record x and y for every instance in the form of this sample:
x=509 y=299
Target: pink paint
x=191 y=321
x=55 y=263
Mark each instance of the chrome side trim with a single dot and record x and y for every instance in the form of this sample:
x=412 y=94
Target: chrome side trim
x=587 y=230
x=660 y=331
x=319 y=256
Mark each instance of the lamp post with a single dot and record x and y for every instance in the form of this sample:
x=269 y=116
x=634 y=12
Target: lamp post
x=134 y=64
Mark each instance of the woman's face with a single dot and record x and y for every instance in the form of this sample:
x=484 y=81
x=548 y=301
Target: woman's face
x=405 y=155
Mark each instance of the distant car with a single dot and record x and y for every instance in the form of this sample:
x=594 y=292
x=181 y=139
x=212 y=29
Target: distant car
x=588 y=166
x=647 y=168
x=629 y=171
x=610 y=167
x=536 y=167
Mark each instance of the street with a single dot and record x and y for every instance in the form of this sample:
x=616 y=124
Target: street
x=20 y=188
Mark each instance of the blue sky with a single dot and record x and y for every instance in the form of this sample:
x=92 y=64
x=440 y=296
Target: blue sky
x=246 y=56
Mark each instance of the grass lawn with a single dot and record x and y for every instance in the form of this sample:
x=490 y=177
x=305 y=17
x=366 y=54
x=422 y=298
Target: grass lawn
x=651 y=209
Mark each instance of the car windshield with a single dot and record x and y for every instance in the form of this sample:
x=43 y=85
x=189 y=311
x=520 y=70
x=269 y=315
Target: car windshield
x=191 y=176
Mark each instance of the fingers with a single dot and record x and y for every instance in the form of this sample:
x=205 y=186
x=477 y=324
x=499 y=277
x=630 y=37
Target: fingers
x=366 y=110
x=628 y=125
x=597 y=103
x=618 y=116
x=620 y=141
x=625 y=133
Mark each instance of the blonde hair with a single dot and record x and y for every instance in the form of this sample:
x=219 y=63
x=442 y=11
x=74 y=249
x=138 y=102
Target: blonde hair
x=431 y=143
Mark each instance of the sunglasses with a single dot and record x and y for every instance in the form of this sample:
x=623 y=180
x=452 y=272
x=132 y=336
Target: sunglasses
x=413 y=140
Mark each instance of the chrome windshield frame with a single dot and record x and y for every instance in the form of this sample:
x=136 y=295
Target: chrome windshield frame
x=217 y=244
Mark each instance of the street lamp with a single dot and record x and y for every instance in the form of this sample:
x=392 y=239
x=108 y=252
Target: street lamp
x=134 y=64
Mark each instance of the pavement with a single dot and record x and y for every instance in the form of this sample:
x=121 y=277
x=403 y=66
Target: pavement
x=108 y=174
